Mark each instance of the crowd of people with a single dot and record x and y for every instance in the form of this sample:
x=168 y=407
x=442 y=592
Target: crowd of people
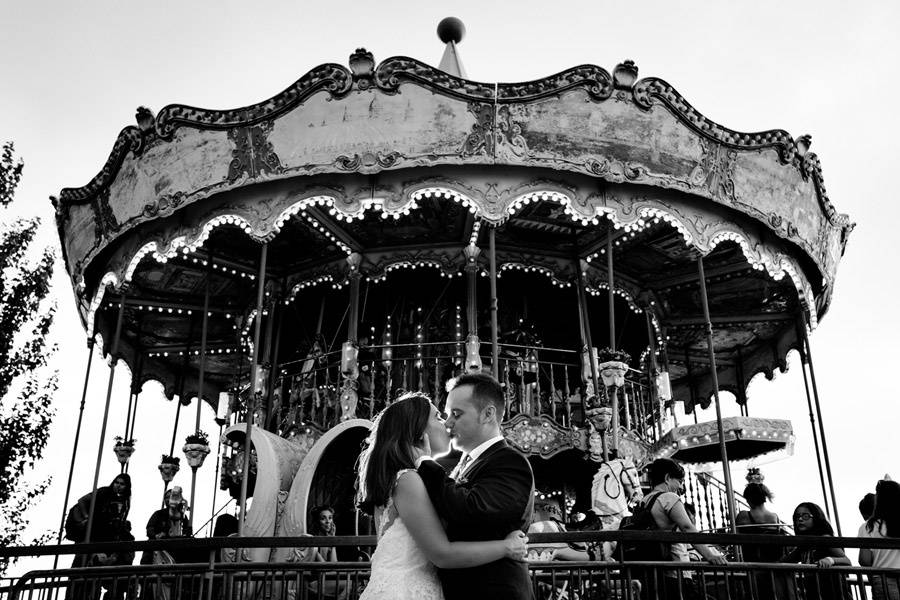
x=881 y=519
x=413 y=497
x=111 y=524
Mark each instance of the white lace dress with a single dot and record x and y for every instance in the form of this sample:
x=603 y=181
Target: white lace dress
x=400 y=570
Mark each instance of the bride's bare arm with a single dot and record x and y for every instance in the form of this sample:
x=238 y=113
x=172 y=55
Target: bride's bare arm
x=420 y=518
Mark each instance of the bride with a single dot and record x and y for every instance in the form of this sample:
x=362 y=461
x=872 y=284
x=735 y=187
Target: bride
x=411 y=539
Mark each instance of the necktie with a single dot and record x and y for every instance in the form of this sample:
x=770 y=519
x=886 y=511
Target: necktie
x=462 y=465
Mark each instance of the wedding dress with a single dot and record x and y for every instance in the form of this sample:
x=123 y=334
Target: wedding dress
x=400 y=570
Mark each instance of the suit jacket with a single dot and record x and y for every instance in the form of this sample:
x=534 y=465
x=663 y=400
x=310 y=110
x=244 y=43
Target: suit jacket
x=493 y=497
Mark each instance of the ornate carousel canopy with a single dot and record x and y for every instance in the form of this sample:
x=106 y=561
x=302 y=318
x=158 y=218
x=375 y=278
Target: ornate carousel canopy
x=745 y=437
x=404 y=166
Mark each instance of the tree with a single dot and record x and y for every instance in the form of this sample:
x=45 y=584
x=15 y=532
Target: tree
x=27 y=383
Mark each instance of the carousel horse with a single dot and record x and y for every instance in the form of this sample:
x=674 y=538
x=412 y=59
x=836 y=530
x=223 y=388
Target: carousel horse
x=615 y=488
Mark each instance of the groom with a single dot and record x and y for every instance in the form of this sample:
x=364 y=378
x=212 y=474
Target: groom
x=489 y=494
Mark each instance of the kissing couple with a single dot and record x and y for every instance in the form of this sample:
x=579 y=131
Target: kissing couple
x=447 y=536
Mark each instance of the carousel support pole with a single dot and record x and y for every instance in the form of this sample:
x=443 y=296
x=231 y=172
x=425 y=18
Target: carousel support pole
x=277 y=316
x=135 y=392
x=585 y=322
x=723 y=451
x=815 y=389
x=177 y=416
x=212 y=515
x=473 y=344
x=175 y=425
x=812 y=422
x=251 y=400
x=739 y=384
x=652 y=365
x=611 y=297
x=87 y=377
x=611 y=293
x=350 y=349
x=109 y=387
x=492 y=261
x=204 y=322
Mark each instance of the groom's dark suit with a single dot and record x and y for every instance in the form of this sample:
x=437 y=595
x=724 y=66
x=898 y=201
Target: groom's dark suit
x=494 y=496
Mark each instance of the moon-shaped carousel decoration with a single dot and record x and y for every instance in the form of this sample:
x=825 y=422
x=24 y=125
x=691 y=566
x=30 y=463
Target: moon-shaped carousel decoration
x=383 y=227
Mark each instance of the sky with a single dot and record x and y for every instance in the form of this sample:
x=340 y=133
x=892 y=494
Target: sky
x=72 y=75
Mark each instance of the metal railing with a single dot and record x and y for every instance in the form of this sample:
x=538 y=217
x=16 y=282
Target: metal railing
x=538 y=381
x=219 y=579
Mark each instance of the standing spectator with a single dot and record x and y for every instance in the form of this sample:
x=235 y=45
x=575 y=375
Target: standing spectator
x=884 y=523
x=866 y=508
x=760 y=520
x=809 y=519
x=168 y=522
x=669 y=514
x=110 y=524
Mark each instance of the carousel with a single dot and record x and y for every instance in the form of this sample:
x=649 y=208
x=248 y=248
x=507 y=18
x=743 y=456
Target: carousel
x=589 y=238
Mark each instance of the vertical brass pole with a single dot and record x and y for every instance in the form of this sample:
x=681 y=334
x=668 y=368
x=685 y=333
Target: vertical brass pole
x=87 y=377
x=812 y=422
x=112 y=375
x=652 y=365
x=204 y=322
x=254 y=370
x=611 y=296
x=815 y=389
x=611 y=293
x=492 y=260
x=723 y=451
x=588 y=344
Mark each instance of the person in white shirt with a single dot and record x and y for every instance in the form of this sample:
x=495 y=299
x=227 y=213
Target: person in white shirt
x=884 y=523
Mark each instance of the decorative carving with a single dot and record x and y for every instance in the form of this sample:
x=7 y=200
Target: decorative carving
x=164 y=205
x=253 y=153
x=362 y=65
x=651 y=89
x=715 y=170
x=596 y=80
x=331 y=77
x=130 y=139
x=480 y=140
x=511 y=121
x=624 y=75
x=368 y=162
x=394 y=71
x=540 y=435
x=104 y=218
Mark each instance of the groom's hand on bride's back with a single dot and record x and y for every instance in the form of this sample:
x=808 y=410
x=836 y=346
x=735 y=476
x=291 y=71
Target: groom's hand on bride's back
x=516 y=545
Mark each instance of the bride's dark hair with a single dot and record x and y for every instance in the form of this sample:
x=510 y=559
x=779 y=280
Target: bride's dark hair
x=388 y=449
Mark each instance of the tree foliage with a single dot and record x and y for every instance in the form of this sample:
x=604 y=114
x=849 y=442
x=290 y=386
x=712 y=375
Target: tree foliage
x=27 y=383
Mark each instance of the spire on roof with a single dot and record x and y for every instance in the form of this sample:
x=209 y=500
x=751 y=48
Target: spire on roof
x=451 y=31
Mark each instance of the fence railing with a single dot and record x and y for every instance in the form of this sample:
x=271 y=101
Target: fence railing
x=537 y=381
x=217 y=578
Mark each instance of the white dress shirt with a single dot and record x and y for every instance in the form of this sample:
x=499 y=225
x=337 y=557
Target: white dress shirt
x=467 y=459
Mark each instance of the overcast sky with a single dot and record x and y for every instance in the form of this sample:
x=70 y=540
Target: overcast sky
x=72 y=74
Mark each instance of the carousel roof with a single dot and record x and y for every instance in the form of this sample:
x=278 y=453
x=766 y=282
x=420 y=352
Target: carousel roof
x=406 y=164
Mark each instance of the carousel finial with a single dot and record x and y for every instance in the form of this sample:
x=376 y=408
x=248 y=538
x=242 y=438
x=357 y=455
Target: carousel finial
x=451 y=31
